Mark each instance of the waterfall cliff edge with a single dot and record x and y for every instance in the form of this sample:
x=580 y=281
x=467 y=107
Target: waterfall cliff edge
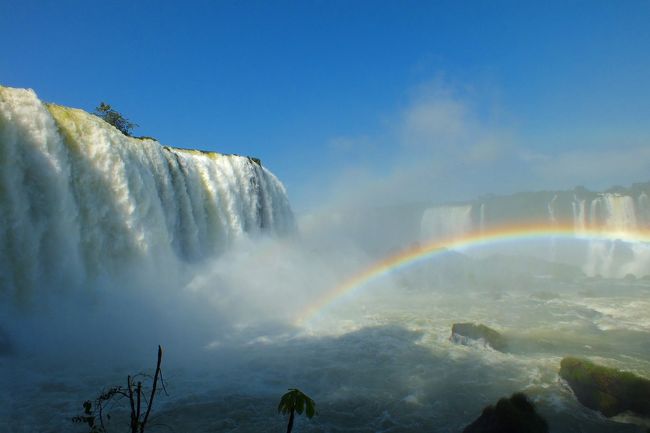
x=80 y=201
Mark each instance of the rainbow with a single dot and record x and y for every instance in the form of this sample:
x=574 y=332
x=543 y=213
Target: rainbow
x=420 y=253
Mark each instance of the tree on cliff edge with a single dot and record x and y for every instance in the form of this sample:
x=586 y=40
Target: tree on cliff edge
x=111 y=116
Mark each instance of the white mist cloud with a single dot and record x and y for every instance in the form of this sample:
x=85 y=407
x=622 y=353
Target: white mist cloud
x=447 y=143
x=444 y=122
x=351 y=145
x=434 y=124
x=434 y=149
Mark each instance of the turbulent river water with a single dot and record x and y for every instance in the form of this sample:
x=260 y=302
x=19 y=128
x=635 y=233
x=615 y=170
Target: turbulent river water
x=382 y=361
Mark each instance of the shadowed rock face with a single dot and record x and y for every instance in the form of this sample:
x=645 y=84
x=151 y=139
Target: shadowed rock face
x=462 y=331
x=607 y=390
x=510 y=415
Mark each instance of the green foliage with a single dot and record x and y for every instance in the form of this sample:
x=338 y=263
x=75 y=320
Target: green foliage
x=93 y=416
x=296 y=401
x=113 y=117
x=88 y=417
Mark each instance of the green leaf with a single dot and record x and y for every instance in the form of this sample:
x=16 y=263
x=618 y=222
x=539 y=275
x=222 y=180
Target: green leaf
x=311 y=410
x=296 y=400
x=301 y=402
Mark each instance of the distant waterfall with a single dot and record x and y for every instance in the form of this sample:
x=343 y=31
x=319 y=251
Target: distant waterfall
x=552 y=213
x=623 y=213
x=446 y=221
x=579 y=215
x=615 y=212
x=78 y=199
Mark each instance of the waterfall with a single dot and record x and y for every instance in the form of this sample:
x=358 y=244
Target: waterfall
x=446 y=222
x=79 y=200
x=553 y=219
x=643 y=208
x=615 y=215
x=552 y=210
x=621 y=213
x=578 y=207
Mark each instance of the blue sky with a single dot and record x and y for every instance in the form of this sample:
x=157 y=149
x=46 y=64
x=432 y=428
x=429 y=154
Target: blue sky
x=349 y=100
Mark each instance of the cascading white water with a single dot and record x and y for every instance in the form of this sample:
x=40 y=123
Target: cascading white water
x=80 y=200
x=579 y=215
x=611 y=214
x=446 y=222
x=552 y=212
x=616 y=214
x=621 y=213
x=643 y=207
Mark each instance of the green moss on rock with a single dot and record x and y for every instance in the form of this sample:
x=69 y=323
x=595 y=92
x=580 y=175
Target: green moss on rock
x=462 y=331
x=607 y=390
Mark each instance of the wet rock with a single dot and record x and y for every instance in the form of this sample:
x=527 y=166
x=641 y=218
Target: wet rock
x=607 y=390
x=510 y=415
x=461 y=332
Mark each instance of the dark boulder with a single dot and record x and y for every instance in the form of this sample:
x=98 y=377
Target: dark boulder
x=510 y=415
x=461 y=332
x=607 y=390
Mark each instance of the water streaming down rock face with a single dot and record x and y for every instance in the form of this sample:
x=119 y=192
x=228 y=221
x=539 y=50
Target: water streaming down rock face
x=444 y=221
x=619 y=211
x=79 y=200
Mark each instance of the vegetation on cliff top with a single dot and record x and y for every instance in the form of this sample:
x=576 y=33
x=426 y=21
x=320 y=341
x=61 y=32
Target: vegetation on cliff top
x=113 y=117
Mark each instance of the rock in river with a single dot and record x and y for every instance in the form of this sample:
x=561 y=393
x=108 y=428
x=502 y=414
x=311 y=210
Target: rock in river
x=461 y=332
x=510 y=415
x=607 y=390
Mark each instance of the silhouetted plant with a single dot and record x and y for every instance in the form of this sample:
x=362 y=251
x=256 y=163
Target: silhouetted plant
x=89 y=418
x=295 y=401
x=111 y=116
x=93 y=414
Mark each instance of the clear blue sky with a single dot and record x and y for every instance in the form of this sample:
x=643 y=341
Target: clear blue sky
x=440 y=99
